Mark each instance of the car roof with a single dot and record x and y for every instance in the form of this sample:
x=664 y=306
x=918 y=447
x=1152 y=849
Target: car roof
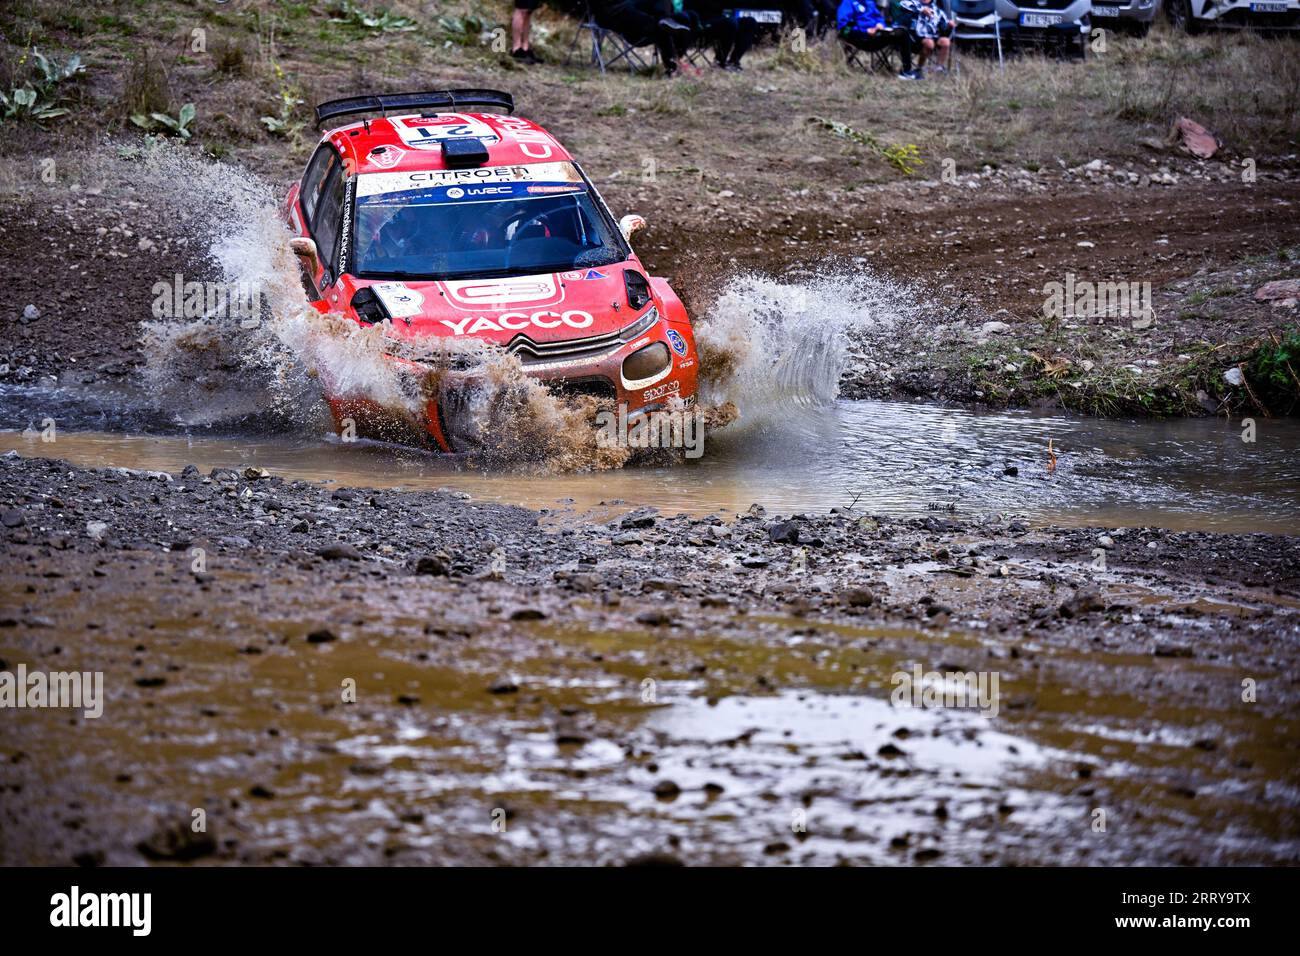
x=413 y=141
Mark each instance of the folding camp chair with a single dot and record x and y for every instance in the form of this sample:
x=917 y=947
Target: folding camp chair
x=975 y=20
x=884 y=59
x=599 y=36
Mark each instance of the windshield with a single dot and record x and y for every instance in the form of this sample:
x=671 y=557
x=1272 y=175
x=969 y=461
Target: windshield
x=489 y=221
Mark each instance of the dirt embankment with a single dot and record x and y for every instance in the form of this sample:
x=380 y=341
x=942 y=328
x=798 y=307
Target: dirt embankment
x=652 y=689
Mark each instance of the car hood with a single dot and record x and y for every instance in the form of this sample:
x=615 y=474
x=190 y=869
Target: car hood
x=550 y=307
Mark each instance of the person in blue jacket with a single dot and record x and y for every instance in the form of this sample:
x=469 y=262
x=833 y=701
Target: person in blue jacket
x=861 y=23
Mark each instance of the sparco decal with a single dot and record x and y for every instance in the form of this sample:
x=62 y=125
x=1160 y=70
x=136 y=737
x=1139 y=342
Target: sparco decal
x=659 y=391
x=515 y=321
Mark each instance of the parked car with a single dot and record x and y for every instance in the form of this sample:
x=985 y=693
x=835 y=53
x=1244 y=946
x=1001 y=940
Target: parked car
x=1265 y=15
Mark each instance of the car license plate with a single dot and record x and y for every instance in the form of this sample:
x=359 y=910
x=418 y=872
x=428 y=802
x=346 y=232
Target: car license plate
x=1040 y=19
x=762 y=16
x=1268 y=7
x=1104 y=11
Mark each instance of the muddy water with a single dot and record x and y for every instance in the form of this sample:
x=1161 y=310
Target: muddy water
x=887 y=457
x=619 y=742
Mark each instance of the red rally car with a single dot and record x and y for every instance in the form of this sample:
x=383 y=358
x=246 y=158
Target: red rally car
x=444 y=224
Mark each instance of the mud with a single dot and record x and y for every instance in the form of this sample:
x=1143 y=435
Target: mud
x=646 y=689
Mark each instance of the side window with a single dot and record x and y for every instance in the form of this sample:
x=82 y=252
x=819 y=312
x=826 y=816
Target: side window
x=313 y=184
x=325 y=224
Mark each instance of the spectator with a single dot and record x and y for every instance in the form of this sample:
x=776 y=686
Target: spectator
x=644 y=21
x=930 y=29
x=521 y=24
x=731 y=38
x=862 y=25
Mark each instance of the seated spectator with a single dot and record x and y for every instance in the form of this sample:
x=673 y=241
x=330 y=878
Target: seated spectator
x=930 y=28
x=731 y=38
x=861 y=24
x=641 y=22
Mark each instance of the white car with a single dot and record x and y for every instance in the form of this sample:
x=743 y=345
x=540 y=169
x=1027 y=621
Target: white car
x=1196 y=15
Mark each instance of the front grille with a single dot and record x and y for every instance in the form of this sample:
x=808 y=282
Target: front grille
x=580 y=350
x=570 y=350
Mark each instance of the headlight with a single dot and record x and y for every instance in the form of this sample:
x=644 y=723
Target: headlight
x=640 y=325
x=647 y=362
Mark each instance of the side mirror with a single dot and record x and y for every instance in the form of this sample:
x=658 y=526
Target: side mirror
x=305 y=250
x=631 y=224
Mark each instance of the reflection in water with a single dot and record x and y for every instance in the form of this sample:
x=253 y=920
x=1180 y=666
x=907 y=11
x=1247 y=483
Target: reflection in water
x=890 y=457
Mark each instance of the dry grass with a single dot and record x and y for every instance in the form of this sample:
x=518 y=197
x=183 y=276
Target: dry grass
x=1032 y=114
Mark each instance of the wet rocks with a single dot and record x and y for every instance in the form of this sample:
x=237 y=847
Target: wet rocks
x=434 y=565
x=176 y=841
x=666 y=790
x=857 y=597
x=655 y=617
x=784 y=532
x=503 y=685
x=339 y=552
x=641 y=518
x=1083 y=601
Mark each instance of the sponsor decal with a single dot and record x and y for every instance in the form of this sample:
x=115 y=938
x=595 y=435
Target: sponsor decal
x=492 y=294
x=677 y=341
x=428 y=132
x=531 y=139
x=390 y=157
x=518 y=321
x=571 y=276
x=401 y=301
x=659 y=391
x=374 y=184
x=553 y=188
x=345 y=232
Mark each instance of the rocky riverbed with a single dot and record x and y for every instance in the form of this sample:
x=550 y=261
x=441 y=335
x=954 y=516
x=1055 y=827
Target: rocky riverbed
x=345 y=675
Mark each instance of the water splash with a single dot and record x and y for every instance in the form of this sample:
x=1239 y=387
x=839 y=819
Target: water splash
x=779 y=346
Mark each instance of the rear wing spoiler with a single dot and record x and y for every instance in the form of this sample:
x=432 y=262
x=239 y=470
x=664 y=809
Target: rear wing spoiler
x=441 y=100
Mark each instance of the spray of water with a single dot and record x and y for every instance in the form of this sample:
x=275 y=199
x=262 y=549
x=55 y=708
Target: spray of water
x=778 y=347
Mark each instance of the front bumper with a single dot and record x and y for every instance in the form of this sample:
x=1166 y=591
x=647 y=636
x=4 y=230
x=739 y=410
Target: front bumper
x=1252 y=14
x=592 y=366
x=1028 y=18
x=1124 y=11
